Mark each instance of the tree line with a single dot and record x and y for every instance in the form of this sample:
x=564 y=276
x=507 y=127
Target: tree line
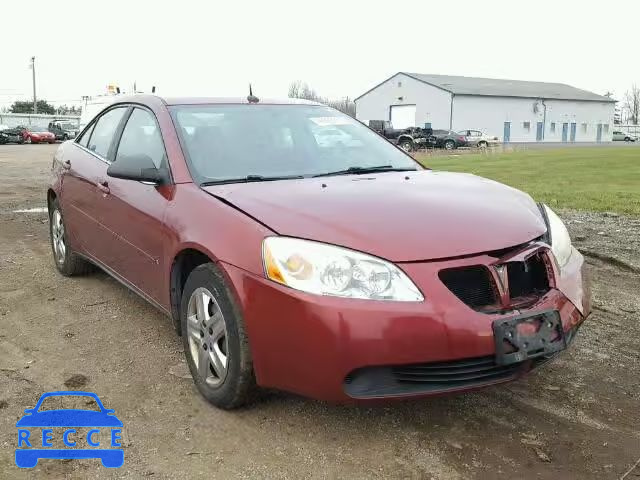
x=302 y=90
x=44 y=107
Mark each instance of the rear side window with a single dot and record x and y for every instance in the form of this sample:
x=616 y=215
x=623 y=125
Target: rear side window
x=104 y=130
x=141 y=138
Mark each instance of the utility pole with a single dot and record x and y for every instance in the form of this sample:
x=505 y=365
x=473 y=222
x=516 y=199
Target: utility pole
x=33 y=71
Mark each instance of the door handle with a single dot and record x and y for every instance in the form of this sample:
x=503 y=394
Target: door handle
x=103 y=186
x=66 y=164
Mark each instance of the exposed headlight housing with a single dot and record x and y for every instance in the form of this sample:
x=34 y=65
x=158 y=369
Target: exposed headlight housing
x=558 y=236
x=324 y=269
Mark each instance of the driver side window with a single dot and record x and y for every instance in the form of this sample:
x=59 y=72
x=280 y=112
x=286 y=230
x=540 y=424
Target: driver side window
x=141 y=138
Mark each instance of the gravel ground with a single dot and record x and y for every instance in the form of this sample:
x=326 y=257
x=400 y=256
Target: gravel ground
x=576 y=418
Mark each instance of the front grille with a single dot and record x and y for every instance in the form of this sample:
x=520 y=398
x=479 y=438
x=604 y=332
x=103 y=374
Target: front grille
x=429 y=377
x=472 y=285
x=528 y=277
x=475 y=286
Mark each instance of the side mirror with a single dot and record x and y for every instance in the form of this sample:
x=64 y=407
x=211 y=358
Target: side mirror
x=29 y=410
x=136 y=167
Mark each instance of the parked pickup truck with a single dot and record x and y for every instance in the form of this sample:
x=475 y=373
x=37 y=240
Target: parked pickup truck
x=408 y=139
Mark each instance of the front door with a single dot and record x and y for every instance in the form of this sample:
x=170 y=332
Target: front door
x=134 y=211
x=507 y=132
x=565 y=132
x=599 y=133
x=539 y=131
x=84 y=192
x=573 y=132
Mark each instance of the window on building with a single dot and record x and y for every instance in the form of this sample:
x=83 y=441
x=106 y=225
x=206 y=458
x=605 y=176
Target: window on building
x=553 y=127
x=584 y=128
x=399 y=84
x=526 y=126
x=606 y=128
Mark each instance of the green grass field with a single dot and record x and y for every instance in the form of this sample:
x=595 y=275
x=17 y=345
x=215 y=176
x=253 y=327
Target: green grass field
x=595 y=179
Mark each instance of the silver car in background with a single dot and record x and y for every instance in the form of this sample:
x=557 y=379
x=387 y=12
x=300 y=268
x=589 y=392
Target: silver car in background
x=620 y=136
x=476 y=138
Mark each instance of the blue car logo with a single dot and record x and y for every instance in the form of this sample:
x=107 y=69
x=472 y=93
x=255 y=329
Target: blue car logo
x=32 y=447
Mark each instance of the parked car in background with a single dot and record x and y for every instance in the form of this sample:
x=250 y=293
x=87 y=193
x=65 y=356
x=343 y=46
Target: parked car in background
x=619 y=136
x=449 y=139
x=10 y=135
x=385 y=128
x=63 y=129
x=37 y=135
x=415 y=138
x=408 y=139
x=342 y=274
x=476 y=138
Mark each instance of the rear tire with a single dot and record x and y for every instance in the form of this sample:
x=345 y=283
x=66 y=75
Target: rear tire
x=215 y=339
x=449 y=145
x=67 y=261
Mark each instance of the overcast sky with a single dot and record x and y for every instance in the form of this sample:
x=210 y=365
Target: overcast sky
x=341 y=48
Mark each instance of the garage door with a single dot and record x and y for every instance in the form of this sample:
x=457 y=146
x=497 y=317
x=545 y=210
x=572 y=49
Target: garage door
x=403 y=116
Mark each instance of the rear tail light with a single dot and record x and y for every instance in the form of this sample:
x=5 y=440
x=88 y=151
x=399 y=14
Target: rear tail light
x=462 y=139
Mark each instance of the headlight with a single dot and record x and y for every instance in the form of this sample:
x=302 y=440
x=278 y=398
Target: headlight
x=559 y=237
x=323 y=269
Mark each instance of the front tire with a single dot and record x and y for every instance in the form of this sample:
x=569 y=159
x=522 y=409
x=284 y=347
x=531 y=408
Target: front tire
x=406 y=145
x=67 y=261
x=215 y=341
x=483 y=145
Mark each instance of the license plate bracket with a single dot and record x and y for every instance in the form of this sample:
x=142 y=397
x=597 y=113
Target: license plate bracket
x=528 y=336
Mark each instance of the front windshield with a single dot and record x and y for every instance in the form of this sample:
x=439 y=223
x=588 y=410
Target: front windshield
x=225 y=142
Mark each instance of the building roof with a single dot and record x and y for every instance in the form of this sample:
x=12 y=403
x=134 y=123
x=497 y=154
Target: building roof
x=496 y=87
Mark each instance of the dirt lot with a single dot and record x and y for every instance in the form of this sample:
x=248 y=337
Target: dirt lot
x=576 y=418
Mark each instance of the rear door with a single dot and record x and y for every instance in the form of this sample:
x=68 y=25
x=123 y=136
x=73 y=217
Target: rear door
x=83 y=192
x=133 y=211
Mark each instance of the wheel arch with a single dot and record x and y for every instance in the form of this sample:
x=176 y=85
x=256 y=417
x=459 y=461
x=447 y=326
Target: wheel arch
x=51 y=196
x=185 y=260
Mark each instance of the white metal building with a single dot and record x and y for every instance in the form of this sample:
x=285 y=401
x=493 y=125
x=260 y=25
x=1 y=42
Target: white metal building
x=512 y=110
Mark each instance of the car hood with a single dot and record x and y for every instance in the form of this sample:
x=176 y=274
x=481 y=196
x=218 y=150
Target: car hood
x=402 y=216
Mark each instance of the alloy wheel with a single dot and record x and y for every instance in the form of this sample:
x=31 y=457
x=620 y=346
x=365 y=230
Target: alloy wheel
x=207 y=335
x=57 y=236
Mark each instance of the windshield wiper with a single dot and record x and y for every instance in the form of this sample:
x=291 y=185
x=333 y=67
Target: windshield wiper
x=248 y=179
x=360 y=170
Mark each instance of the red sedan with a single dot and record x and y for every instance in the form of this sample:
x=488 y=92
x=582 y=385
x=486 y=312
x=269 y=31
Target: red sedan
x=37 y=135
x=342 y=271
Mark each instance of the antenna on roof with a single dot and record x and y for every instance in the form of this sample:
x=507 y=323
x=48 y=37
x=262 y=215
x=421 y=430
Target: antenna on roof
x=252 y=98
x=153 y=89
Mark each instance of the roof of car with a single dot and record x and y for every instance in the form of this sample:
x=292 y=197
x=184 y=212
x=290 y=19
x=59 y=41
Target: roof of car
x=233 y=100
x=154 y=99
